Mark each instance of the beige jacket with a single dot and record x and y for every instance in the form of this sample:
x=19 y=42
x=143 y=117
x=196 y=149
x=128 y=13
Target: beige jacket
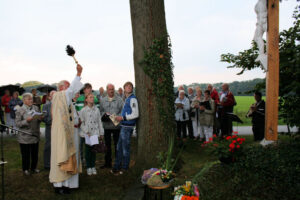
x=32 y=127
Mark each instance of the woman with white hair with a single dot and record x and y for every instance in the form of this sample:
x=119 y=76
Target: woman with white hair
x=182 y=106
x=29 y=141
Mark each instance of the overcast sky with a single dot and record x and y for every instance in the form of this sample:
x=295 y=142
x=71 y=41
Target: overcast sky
x=34 y=34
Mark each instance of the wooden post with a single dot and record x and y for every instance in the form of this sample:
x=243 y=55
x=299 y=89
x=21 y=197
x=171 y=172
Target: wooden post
x=272 y=79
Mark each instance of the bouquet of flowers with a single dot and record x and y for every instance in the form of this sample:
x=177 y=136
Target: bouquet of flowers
x=188 y=191
x=157 y=177
x=226 y=148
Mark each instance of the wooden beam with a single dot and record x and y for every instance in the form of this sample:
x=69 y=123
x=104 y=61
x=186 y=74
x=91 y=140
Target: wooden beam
x=272 y=79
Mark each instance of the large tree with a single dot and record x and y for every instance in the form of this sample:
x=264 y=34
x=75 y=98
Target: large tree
x=153 y=78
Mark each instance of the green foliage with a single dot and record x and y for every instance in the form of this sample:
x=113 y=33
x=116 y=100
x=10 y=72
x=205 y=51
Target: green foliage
x=271 y=172
x=158 y=66
x=289 y=70
x=166 y=159
x=244 y=60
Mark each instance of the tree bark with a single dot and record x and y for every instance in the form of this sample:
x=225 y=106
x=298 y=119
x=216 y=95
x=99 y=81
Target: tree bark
x=148 y=23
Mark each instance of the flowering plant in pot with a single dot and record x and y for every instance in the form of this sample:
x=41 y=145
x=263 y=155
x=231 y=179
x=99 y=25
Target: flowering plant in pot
x=227 y=148
x=188 y=191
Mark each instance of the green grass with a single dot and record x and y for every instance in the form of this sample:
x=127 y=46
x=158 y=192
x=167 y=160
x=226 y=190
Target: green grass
x=242 y=107
x=104 y=185
x=37 y=186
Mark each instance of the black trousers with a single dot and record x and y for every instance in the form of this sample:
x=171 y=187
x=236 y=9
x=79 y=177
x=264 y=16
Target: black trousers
x=107 y=137
x=29 y=152
x=190 y=128
x=258 y=131
x=181 y=126
x=226 y=125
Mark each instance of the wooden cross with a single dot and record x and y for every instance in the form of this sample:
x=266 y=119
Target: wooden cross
x=272 y=77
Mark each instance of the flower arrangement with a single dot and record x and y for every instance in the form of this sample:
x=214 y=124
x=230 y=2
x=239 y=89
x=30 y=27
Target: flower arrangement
x=226 y=148
x=188 y=191
x=157 y=177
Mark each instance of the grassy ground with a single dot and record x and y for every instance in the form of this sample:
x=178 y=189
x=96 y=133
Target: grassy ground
x=242 y=107
x=102 y=186
x=37 y=186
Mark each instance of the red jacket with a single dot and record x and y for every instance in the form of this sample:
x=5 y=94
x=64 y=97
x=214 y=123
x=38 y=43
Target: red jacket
x=5 y=101
x=229 y=100
x=215 y=96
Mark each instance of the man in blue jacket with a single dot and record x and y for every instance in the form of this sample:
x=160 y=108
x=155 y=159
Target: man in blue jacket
x=128 y=118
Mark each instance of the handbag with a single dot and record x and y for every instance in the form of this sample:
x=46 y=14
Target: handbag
x=99 y=148
x=105 y=118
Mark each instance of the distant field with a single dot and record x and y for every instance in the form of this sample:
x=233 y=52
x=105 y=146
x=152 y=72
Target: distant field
x=242 y=107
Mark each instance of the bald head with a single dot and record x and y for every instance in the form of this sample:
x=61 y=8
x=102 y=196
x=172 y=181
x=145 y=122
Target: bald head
x=110 y=89
x=225 y=87
x=63 y=85
x=180 y=87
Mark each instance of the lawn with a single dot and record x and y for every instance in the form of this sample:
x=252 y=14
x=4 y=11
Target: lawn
x=242 y=107
x=102 y=186
x=217 y=183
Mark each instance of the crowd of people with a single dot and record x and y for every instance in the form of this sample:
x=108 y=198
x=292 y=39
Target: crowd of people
x=204 y=114
x=75 y=123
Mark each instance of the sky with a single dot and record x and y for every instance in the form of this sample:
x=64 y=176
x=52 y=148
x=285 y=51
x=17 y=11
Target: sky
x=34 y=35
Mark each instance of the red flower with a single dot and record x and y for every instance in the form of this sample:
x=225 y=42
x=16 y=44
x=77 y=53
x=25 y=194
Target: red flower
x=211 y=139
x=228 y=137
x=238 y=146
x=234 y=136
x=234 y=141
x=214 y=135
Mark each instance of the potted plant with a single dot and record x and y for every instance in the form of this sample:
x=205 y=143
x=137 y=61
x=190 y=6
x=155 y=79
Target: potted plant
x=188 y=191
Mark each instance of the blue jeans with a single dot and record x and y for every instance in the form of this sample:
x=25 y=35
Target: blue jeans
x=123 y=149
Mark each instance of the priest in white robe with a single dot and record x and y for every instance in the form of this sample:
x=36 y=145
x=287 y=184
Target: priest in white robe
x=65 y=166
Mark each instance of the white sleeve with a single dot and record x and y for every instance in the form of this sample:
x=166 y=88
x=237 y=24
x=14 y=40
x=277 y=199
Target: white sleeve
x=135 y=109
x=75 y=87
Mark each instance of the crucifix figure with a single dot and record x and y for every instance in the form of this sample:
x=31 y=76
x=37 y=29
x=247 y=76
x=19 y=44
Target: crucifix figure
x=268 y=21
x=261 y=11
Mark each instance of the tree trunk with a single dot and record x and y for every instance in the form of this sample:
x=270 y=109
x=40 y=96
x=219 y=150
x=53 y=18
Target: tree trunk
x=149 y=23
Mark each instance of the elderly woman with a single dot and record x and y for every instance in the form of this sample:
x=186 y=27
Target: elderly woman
x=29 y=140
x=195 y=115
x=182 y=106
x=207 y=107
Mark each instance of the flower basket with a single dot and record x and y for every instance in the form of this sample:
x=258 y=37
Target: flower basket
x=157 y=178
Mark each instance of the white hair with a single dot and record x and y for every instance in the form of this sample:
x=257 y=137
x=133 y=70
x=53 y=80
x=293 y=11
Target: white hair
x=26 y=95
x=61 y=83
x=181 y=91
x=191 y=88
